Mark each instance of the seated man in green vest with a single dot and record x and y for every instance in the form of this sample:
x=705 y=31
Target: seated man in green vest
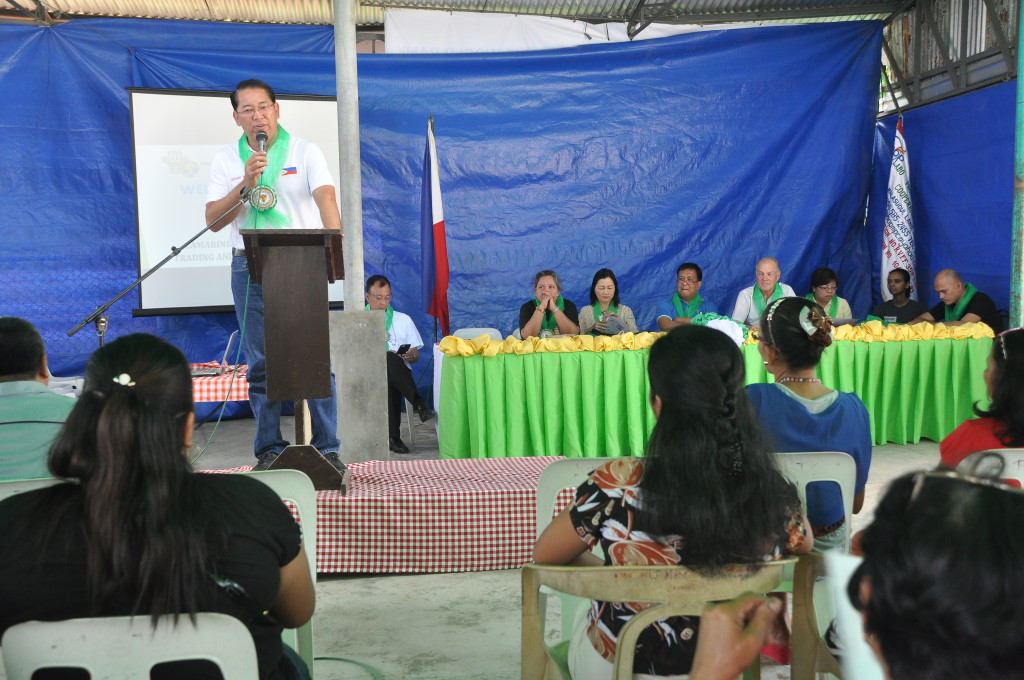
x=960 y=303
x=687 y=301
x=30 y=414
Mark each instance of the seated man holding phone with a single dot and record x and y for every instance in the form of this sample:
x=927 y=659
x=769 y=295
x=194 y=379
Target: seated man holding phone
x=404 y=344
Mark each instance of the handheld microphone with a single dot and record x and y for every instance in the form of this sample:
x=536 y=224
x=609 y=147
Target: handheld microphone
x=261 y=141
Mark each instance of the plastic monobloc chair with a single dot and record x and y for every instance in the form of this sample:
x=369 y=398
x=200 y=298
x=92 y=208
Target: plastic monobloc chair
x=126 y=648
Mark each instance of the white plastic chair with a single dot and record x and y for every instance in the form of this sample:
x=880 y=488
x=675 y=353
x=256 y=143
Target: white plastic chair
x=1014 y=460
x=474 y=333
x=10 y=487
x=560 y=475
x=805 y=467
x=296 y=487
x=126 y=648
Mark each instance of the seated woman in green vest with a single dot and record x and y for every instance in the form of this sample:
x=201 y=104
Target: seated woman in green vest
x=824 y=283
x=600 y=317
x=548 y=313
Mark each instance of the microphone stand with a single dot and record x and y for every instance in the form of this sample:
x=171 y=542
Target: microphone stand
x=99 y=316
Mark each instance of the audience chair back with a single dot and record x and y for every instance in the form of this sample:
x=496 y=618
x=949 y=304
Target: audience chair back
x=1014 y=460
x=674 y=591
x=474 y=333
x=126 y=648
x=802 y=468
x=12 y=486
x=560 y=475
x=296 y=487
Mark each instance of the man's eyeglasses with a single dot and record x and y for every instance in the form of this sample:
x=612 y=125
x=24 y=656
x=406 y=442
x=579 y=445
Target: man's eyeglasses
x=831 y=288
x=687 y=279
x=381 y=298
x=250 y=111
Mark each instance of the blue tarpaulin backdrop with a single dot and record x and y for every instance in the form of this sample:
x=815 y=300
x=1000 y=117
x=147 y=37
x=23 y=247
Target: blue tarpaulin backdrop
x=961 y=186
x=718 y=147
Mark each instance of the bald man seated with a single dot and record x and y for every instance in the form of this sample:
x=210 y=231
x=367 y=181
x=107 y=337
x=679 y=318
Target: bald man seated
x=960 y=303
x=750 y=303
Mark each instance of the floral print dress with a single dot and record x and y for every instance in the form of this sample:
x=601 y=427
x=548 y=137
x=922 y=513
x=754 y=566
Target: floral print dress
x=605 y=511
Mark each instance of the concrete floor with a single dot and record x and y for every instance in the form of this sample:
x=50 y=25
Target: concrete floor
x=450 y=626
x=455 y=626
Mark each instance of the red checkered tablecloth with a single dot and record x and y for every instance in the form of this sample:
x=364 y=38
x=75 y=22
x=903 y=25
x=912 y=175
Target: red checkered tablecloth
x=432 y=516
x=215 y=388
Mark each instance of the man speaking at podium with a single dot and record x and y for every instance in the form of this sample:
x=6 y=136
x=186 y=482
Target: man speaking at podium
x=289 y=186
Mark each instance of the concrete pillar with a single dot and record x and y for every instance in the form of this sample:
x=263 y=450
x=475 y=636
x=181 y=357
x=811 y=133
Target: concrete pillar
x=1017 y=243
x=350 y=180
x=357 y=352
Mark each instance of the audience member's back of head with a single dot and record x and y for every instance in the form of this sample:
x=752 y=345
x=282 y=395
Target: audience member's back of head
x=130 y=418
x=21 y=349
x=710 y=475
x=943 y=559
x=144 y=522
x=1007 y=397
x=799 y=329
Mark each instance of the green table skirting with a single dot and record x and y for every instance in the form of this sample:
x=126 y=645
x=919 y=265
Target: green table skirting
x=594 y=404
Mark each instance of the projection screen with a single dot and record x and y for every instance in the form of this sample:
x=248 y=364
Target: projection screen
x=175 y=134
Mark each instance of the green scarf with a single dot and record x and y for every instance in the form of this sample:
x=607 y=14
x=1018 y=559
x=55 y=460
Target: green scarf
x=758 y=298
x=833 y=307
x=954 y=313
x=549 y=324
x=692 y=307
x=612 y=309
x=389 y=316
x=276 y=155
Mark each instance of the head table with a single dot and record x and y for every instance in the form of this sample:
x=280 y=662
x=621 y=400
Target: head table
x=588 y=397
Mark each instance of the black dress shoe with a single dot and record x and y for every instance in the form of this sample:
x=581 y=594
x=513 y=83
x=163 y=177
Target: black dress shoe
x=397 y=446
x=425 y=412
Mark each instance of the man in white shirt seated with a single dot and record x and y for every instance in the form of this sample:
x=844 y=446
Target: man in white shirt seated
x=401 y=332
x=751 y=302
x=30 y=414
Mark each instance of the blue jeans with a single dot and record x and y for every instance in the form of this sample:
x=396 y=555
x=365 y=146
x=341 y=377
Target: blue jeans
x=323 y=413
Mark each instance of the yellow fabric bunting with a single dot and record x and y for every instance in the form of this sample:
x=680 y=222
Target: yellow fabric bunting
x=484 y=345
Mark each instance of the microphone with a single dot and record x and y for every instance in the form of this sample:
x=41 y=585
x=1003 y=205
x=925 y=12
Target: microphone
x=261 y=141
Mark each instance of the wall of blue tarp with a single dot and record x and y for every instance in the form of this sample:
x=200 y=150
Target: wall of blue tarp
x=961 y=186
x=718 y=147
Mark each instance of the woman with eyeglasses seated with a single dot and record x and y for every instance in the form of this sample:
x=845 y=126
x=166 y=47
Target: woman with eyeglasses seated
x=604 y=304
x=804 y=415
x=939 y=588
x=706 y=493
x=824 y=283
x=1001 y=425
x=133 y=530
x=548 y=313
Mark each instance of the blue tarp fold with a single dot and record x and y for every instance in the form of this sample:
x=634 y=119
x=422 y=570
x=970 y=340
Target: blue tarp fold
x=718 y=147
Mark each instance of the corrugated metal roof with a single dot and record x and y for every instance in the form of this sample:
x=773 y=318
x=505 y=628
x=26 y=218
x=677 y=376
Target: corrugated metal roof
x=371 y=12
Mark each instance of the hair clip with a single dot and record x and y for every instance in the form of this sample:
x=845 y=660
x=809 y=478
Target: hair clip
x=1002 y=339
x=768 y=321
x=807 y=322
x=124 y=379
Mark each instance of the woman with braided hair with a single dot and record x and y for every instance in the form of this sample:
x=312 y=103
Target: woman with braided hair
x=706 y=493
x=805 y=415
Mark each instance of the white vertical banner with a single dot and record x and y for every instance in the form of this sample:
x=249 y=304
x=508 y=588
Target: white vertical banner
x=898 y=233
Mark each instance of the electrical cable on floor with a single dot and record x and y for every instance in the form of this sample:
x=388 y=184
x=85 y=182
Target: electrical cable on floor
x=231 y=384
x=374 y=673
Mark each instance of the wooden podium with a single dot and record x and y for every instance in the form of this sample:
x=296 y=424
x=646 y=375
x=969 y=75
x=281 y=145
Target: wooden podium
x=294 y=267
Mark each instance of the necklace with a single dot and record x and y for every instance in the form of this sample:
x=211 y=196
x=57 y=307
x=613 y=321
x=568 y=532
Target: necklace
x=798 y=380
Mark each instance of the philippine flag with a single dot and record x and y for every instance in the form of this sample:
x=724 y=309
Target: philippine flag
x=433 y=245
x=289 y=171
